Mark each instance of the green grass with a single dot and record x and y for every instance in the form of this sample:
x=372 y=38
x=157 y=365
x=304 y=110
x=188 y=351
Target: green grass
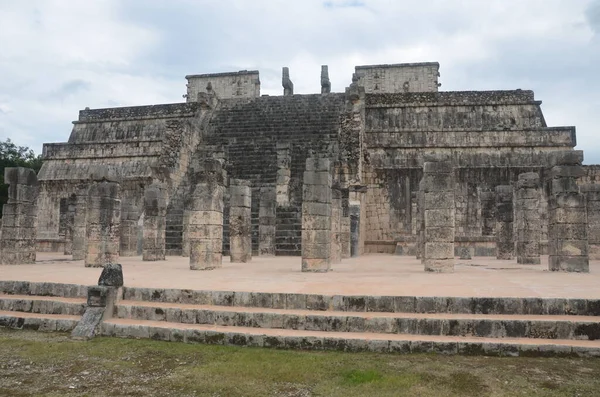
x=53 y=365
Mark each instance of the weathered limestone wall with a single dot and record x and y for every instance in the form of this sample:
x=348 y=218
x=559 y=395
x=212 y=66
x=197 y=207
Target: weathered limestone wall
x=240 y=221
x=406 y=77
x=205 y=229
x=154 y=226
x=103 y=224
x=568 y=227
x=592 y=197
x=528 y=219
x=316 y=216
x=505 y=242
x=18 y=241
x=242 y=84
x=490 y=136
x=438 y=198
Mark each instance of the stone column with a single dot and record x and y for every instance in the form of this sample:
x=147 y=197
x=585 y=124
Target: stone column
x=70 y=224
x=345 y=222
x=80 y=223
x=527 y=218
x=130 y=215
x=420 y=244
x=155 y=222
x=205 y=229
x=284 y=174
x=354 y=230
x=103 y=224
x=240 y=221
x=267 y=225
x=592 y=197
x=488 y=212
x=316 y=216
x=438 y=191
x=336 y=226
x=19 y=217
x=505 y=243
x=567 y=216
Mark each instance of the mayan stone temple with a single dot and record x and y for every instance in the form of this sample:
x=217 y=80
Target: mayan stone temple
x=350 y=201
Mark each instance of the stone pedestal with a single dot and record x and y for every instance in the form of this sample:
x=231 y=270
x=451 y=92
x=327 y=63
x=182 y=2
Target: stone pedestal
x=240 y=221
x=505 y=243
x=155 y=221
x=527 y=218
x=438 y=199
x=103 y=224
x=19 y=217
x=336 y=226
x=592 y=198
x=80 y=223
x=205 y=228
x=567 y=219
x=316 y=216
x=267 y=222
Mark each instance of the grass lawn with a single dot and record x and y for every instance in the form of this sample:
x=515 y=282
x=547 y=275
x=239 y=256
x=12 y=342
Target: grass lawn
x=39 y=364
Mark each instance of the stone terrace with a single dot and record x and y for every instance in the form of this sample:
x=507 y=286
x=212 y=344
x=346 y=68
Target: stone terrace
x=367 y=275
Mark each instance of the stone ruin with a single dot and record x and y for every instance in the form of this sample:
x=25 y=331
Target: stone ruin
x=390 y=165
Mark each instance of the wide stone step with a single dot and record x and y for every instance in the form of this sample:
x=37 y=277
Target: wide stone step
x=349 y=341
x=358 y=303
x=42 y=289
x=42 y=304
x=38 y=321
x=476 y=325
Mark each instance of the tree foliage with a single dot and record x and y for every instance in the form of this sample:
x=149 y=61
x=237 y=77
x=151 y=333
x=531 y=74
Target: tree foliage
x=12 y=155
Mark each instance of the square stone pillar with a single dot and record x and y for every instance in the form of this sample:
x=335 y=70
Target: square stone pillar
x=267 y=220
x=527 y=218
x=438 y=192
x=567 y=219
x=284 y=174
x=355 y=211
x=205 y=229
x=130 y=215
x=345 y=224
x=240 y=221
x=316 y=216
x=19 y=217
x=69 y=224
x=80 y=223
x=155 y=222
x=336 y=226
x=420 y=226
x=592 y=197
x=103 y=224
x=505 y=243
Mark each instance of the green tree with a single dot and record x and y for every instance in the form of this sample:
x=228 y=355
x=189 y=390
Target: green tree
x=12 y=155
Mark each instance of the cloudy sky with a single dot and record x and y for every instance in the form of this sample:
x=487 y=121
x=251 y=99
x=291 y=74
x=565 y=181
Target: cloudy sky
x=59 y=56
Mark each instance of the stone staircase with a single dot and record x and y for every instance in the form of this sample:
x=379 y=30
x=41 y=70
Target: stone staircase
x=403 y=324
x=494 y=326
x=41 y=306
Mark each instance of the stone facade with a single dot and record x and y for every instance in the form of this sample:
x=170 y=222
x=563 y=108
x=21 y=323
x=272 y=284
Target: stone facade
x=376 y=135
x=19 y=216
x=527 y=218
x=103 y=223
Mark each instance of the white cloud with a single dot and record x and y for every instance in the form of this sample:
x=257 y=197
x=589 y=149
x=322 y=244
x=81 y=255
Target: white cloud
x=59 y=56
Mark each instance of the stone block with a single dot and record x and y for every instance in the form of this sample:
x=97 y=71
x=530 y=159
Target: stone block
x=437 y=167
x=578 y=264
x=438 y=250
x=438 y=183
x=439 y=265
x=434 y=200
x=567 y=215
x=439 y=218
